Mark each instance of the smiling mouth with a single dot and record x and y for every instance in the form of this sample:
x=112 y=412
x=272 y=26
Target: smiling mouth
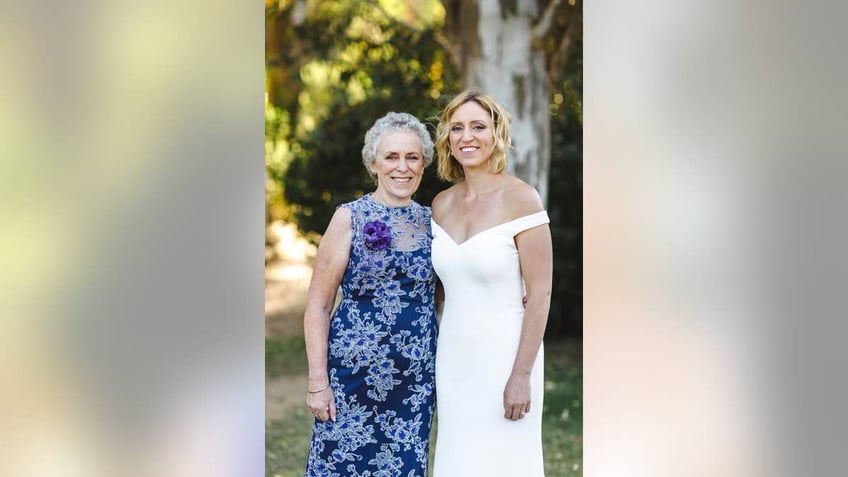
x=468 y=149
x=402 y=180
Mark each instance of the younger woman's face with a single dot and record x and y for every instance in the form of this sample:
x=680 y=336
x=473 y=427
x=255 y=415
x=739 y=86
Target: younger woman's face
x=472 y=135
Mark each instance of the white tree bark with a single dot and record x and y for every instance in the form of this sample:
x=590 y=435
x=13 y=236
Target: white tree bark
x=507 y=64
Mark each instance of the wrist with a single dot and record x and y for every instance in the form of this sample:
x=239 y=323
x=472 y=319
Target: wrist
x=520 y=373
x=318 y=389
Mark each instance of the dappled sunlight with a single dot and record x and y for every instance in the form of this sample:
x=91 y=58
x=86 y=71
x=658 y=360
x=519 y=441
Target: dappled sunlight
x=417 y=15
x=287 y=277
x=289 y=245
x=289 y=273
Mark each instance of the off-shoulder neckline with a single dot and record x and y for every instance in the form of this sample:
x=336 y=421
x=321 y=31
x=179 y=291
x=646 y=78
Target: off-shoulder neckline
x=486 y=230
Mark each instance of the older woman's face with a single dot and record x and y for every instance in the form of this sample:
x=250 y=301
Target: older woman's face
x=398 y=165
x=472 y=135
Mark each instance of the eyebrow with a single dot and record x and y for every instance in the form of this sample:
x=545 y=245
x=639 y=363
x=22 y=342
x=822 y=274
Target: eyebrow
x=471 y=121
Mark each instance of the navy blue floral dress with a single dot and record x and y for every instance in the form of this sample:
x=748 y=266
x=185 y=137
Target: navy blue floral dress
x=382 y=349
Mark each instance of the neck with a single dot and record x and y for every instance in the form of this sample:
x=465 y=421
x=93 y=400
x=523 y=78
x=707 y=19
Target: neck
x=479 y=182
x=384 y=199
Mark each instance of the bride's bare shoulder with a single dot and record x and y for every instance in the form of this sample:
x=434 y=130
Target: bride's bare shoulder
x=442 y=202
x=522 y=198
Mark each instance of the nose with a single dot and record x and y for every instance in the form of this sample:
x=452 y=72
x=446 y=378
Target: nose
x=402 y=165
x=466 y=134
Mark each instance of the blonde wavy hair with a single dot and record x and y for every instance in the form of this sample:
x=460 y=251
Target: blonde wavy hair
x=448 y=167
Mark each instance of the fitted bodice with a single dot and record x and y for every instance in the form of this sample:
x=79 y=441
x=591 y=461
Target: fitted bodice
x=484 y=269
x=389 y=253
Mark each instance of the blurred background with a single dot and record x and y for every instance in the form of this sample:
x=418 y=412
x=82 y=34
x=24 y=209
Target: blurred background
x=333 y=68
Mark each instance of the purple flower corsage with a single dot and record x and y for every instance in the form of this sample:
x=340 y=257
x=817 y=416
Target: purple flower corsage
x=378 y=236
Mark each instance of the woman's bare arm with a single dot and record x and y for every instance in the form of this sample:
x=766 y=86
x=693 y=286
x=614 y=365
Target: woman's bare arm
x=536 y=258
x=330 y=264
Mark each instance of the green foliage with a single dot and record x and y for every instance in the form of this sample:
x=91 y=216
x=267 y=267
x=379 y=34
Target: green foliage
x=565 y=206
x=565 y=184
x=392 y=68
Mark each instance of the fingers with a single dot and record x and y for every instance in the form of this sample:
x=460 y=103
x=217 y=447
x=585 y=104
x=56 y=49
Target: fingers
x=516 y=397
x=322 y=405
x=511 y=413
x=332 y=411
x=516 y=412
x=321 y=414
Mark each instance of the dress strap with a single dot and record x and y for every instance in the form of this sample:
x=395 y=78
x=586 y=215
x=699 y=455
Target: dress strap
x=355 y=208
x=528 y=222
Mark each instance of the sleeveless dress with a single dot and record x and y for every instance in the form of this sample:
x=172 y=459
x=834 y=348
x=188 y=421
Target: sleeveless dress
x=478 y=339
x=382 y=345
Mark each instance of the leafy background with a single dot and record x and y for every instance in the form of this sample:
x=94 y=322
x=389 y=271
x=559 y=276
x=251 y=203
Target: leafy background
x=332 y=68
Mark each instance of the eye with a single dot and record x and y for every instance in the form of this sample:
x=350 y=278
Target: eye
x=391 y=157
x=479 y=127
x=412 y=158
x=456 y=128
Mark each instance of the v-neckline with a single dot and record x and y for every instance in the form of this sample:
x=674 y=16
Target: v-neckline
x=482 y=231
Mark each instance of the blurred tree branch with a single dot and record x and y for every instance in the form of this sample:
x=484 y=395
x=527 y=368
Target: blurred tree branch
x=541 y=28
x=573 y=29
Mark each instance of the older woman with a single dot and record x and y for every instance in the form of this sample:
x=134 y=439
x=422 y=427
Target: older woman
x=372 y=364
x=491 y=242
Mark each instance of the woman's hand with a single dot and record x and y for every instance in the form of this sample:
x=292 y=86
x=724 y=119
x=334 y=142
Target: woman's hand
x=516 y=397
x=322 y=404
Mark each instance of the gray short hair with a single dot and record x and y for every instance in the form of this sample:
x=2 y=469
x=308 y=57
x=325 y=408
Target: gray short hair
x=395 y=122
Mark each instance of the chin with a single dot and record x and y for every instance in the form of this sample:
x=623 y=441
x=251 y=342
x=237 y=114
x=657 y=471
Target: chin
x=402 y=194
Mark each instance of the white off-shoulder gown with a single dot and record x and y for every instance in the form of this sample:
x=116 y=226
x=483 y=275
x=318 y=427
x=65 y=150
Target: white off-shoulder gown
x=478 y=339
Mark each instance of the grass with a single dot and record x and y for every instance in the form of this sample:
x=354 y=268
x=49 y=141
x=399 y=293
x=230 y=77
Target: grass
x=562 y=419
x=287 y=443
x=287 y=439
x=285 y=356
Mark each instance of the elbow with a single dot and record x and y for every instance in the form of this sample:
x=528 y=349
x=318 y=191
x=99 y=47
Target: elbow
x=540 y=293
x=546 y=296
x=539 y=299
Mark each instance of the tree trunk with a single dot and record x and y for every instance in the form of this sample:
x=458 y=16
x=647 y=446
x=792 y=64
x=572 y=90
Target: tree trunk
x=497 y=51
x=284 y=56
